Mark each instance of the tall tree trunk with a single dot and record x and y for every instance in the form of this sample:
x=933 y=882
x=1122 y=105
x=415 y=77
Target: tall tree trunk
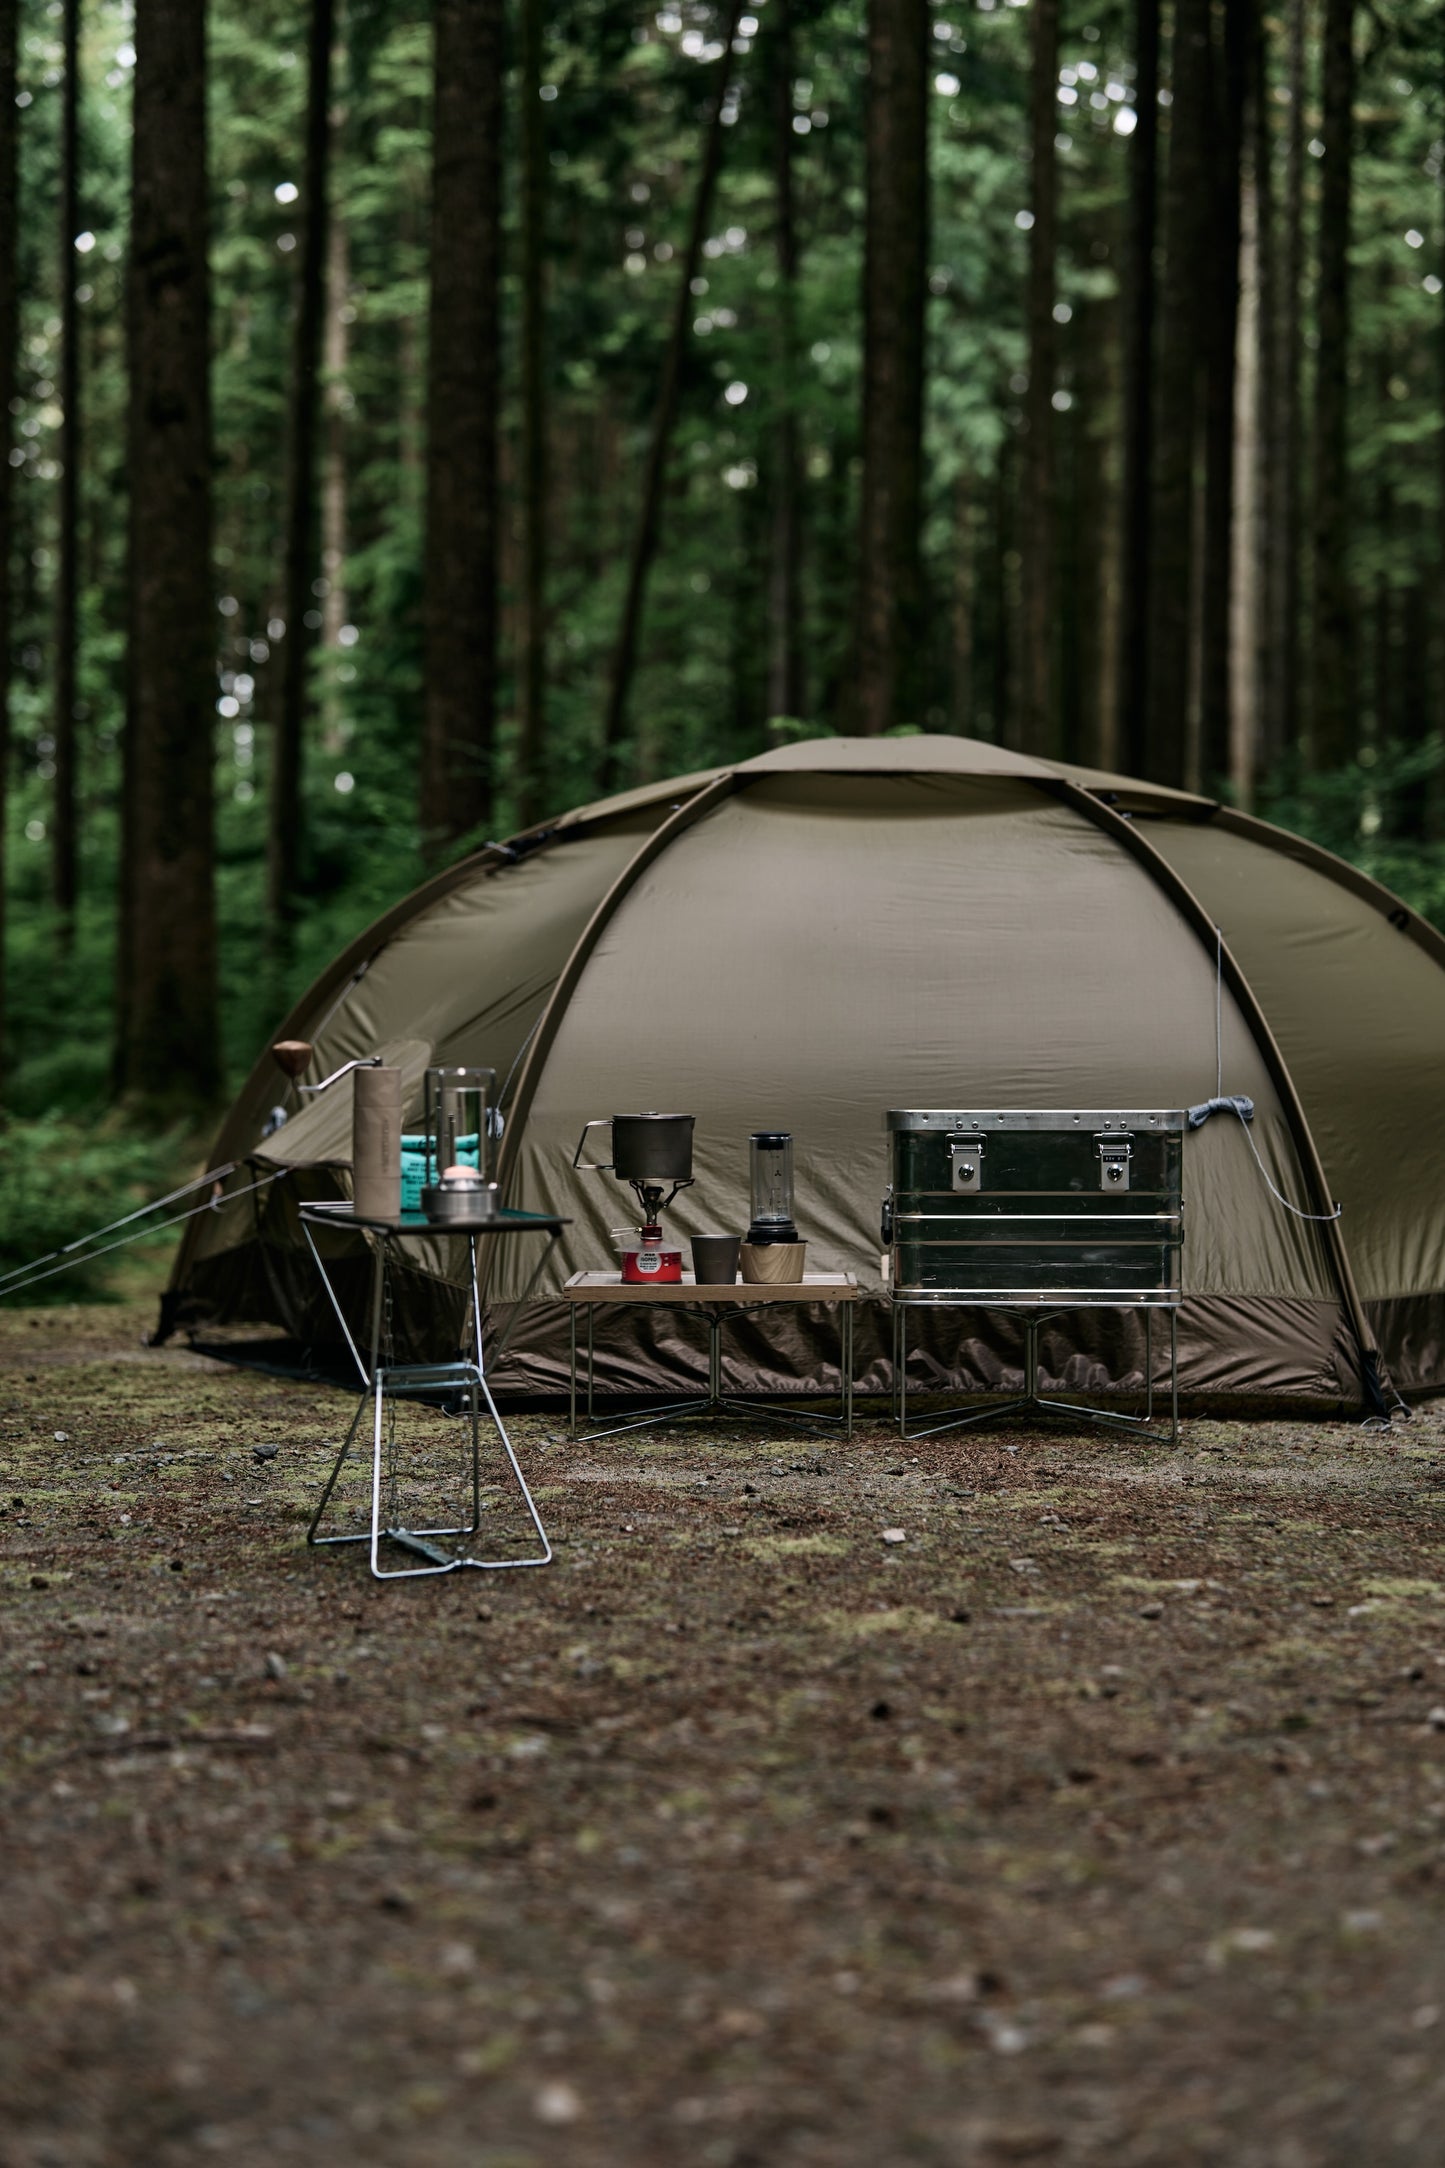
x=1263 y=481
x=1038 y=720
x=336 y=353
x=1136 y=509
x=171 y=1048
x=1173 y=568
x=463 y=392
x=965 y=548
x=532 y=738
x=1286 y=548
x=649 y=519
x=1221 y=269
x=300 y=568
x=785 y=688
x=1332 y=654
x=895 y=287
x=64 y=852
x=1246 y=591
x=9 y=326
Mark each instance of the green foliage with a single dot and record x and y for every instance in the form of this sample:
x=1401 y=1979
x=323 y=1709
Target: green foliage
x=60 y=1179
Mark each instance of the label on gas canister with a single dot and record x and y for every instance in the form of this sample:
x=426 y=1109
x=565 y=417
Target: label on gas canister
x=649 y=1261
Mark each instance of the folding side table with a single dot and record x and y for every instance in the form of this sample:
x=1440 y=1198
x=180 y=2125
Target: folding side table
x=592 y=1291
x=463 y=1380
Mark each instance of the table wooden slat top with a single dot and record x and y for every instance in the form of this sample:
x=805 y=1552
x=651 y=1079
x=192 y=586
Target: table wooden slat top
x=590 y=1287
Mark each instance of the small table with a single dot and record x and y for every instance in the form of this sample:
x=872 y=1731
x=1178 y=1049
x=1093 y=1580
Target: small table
x=591 y=1291
x=460 y=1380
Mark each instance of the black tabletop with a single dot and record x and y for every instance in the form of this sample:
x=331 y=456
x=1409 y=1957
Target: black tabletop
x=341 y=1214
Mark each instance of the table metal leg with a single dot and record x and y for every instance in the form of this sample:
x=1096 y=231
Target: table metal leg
x=572 y=1369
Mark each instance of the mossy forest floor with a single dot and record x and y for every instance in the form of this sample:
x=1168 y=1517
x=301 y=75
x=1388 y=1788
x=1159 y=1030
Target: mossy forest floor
x=1101 y=1819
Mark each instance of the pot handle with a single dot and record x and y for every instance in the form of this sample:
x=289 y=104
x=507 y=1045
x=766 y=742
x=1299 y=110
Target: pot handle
x=592 y=1166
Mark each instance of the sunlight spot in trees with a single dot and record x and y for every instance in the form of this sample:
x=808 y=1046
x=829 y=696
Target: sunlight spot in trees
x=245 y=790
x=348 y=636
x=735 y=393
x=312 y=620
x=986 y=7
x=1431 y=284
x=125 y=55
x=700 y=583
x=1115 y=93
x=1063 y=314
x=345 y=782
x=1023 y=220
x=820 y=351
x=947 y=86
x=741 y=476
x=702 y=325
x=697 y=286
x=943 y=31
x=1068 y=96
x=1062 y=401
x=244 y=734
x=1018 y=383
x=35 y=831
x=275 y=628
x=639 y=191
x=287 y=192
x=1370 y=821
x=694 y=44
x=669 y=22
x=547 y=92
x=748 y=26
x=84 y=294
x=1126 y=120
x=725 y=319
x=1098 y=101
x=1063 y=143
x=1315 y=147
x=633 y=263
x=228 y=605
x=85 y=242
x=801 y=124
x=663 y=251
x=22 y=99
x=938 y=282
x=285 y=242
x=229 y=706
x=819 y=116
x=1414 y=238
x=259 y=651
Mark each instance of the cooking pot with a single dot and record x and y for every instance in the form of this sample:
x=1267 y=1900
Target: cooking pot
x=653 y=1148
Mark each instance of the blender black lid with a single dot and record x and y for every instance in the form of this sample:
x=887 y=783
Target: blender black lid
x=771 y=1138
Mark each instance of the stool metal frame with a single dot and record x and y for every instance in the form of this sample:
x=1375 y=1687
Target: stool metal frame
x=462 y=1382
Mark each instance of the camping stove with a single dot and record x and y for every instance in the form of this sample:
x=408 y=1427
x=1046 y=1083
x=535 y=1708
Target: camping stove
x=652 y=1153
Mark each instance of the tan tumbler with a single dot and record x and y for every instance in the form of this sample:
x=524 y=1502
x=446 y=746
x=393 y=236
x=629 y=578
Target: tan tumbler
x=376 y=1143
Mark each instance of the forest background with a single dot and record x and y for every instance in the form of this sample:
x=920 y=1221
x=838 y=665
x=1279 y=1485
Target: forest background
x=426 y=417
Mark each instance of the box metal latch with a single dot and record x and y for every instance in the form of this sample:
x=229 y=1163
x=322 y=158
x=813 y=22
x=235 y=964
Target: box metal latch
x=1114 y=1156
x=966 y=1160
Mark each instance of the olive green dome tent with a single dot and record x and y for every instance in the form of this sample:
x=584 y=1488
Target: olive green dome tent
x=842 y=926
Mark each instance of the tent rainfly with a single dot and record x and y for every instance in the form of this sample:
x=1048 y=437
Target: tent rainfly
x=842 y=926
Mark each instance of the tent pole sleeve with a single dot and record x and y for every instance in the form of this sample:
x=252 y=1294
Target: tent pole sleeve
x=1127 y=833
x=651 y=847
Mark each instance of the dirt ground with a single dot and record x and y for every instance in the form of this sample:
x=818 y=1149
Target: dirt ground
x=1100 y=1819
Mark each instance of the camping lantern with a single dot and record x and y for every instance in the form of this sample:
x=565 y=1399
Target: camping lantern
x=459 y=1124
x=772 y=1177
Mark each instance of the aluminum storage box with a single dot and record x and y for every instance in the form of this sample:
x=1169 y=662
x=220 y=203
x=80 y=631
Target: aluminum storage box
x=1032 y=1206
